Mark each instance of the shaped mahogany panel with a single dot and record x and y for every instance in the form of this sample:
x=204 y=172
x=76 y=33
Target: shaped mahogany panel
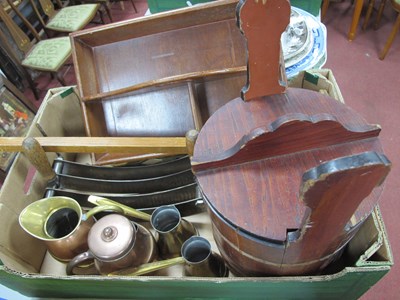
x=262 y=22
x=288 y=134
x=290 y=175
x=261 y=173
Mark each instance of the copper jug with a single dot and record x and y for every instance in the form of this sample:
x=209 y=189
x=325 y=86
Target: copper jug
x=61 y=224
x=116 y=243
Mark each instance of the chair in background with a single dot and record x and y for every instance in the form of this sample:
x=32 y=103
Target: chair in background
x=325 y=6
x=40 y=55
x=66 y=19
x=371 y=5
x=12 y=68
x=103 y=3
x=396 y=6
x=358 y=5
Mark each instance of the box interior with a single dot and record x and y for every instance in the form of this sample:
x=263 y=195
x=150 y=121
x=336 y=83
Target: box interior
x=23 y=255
x=64 y=107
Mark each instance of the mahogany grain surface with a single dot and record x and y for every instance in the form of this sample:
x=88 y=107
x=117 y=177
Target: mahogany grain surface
x=159 y=75
x=254 y=192
x=273 y=182
x=288 y=174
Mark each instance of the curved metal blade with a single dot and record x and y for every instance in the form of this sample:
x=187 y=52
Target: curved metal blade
x=186 y=199
x=148 y=185
x=171 y=196
x=140 y=171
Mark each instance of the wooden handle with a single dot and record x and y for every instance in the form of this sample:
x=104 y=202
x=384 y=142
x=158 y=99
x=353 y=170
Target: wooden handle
x=133 y=145
x=332 y=192
x=37 y=156
x=262 y=22
x=191 y=137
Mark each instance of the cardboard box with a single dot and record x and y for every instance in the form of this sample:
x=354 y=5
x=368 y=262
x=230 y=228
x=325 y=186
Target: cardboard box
x=29 y=269
x=318 y=80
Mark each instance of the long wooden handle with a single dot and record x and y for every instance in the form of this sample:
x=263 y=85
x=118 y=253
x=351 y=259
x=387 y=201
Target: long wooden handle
x=191 y=137
x=134 y=145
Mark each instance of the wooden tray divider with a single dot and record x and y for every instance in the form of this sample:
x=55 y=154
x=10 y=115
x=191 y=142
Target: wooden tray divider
x=85 y=66
x=203 y=75
x=198 y=122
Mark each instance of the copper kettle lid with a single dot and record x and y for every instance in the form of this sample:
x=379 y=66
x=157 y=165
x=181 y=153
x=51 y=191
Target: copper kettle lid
x=112 y=237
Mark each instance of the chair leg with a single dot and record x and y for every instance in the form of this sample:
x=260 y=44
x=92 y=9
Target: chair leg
x=380 y=12
x=134 y=7
x=391 y=38
x=324 y=8
x=32 y=85
x=107 y=9
x=59 y=78
x=101 y=15
x=368 y=14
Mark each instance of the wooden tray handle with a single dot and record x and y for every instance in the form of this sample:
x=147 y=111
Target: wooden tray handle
x=262 y=22
x=332 y=193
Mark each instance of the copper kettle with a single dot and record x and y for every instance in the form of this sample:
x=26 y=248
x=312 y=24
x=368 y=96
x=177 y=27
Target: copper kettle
x=116 y=243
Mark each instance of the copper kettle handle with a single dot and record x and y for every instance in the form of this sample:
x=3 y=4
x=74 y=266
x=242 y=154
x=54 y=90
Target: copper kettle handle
x=80 y=258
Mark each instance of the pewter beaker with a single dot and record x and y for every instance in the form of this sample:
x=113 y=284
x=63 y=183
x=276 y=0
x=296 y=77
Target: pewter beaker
x=196 y=255
x=201 y=261
x=171 y=230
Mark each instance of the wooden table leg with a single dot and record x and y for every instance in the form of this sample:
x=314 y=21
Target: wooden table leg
x=356 y=19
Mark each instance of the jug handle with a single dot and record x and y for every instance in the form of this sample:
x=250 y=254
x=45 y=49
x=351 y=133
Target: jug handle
x=80 y=258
